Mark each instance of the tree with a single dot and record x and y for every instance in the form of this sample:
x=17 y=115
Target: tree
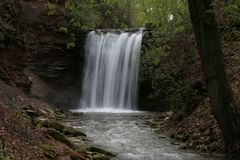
x=225 y=109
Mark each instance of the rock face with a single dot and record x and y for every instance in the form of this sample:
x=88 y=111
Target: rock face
x=49 y=58
x=12 y=55
x=12 y=73
x=34 y=54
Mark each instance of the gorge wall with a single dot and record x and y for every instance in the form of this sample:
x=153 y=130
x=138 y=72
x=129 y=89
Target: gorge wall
x=34 y=53
x=12 y=49
x=50 y=59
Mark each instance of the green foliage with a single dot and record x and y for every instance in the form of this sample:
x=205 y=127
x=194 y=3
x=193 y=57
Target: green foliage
x=162 y=75
x=71 y=45
x=81 y=15
x=233 y=10
x=161 y=13
x=63 y=30
x=115 y=13
x=51 y=8
x=169 y=15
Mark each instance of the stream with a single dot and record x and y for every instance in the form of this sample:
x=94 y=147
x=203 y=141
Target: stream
x=129 y=135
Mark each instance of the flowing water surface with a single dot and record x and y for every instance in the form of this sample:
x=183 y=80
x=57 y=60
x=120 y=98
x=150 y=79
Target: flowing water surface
x=131 y=137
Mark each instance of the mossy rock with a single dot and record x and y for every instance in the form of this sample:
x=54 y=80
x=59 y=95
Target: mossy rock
x=51 y=124
x=48 y=150
x=59 y=136
x=32 y=113
x=96 y=151
x=62 y=128
x=71 y=131
x=99 y=150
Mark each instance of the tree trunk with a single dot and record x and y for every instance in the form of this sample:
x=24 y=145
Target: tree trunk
x=224 y=106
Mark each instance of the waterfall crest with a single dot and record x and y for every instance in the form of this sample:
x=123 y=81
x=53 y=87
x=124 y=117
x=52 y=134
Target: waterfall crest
x=111 y=70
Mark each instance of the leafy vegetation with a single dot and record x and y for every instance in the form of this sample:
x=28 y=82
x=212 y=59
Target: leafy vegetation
x=10 y=23
x=51 y=8
x=165 y=57
x=163 y=75
x=233 y=9
x=86 y=14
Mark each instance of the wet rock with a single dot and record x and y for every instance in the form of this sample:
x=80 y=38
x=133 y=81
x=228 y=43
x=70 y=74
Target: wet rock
x=49 y=57
x=96 y=153
x=175 y=143
x=59 y=137
x=32 y=113
x=99 y=150
x=79 y=156
x=65 y=130
x=162 y=136
x=77 y=114
x=49 y=151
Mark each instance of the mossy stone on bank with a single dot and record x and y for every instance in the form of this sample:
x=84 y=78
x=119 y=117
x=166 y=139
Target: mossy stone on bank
x=66 y=130
x=48 y=150
x=59 y=136
x=97 y=153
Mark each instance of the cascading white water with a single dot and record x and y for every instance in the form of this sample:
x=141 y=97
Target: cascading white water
x=111 y=70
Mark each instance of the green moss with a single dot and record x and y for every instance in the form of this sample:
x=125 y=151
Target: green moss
x=49 y=151
x=59 y=137
x=46 y=147
x=74 y=132
x=99 y=150
x=52 y=124
x=62 y=128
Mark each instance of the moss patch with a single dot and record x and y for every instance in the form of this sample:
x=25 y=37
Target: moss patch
x=48 y=150
x=62 y=128
x=59 y=136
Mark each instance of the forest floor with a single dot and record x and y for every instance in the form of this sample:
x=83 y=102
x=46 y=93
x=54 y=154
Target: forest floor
x=198 y=131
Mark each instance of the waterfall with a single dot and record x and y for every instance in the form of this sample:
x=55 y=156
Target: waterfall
x=111 y=70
